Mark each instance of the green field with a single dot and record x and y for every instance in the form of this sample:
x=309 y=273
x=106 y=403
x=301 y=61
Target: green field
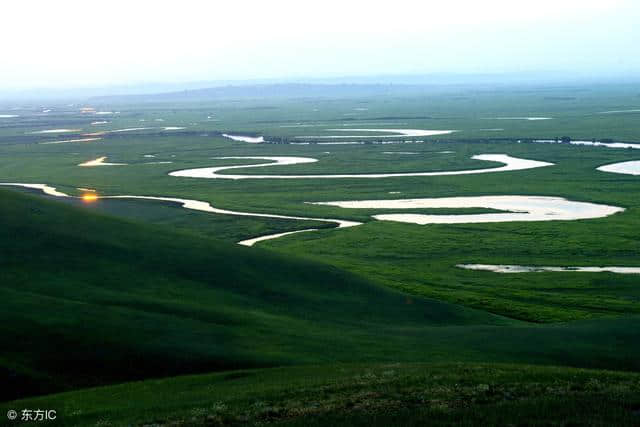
x=363 y=394
x=372 y=324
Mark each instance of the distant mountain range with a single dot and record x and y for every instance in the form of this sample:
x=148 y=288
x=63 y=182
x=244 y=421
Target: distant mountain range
x=301 y=87
x=262 y=91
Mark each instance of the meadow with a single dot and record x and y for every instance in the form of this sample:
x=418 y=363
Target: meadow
x=110 y=291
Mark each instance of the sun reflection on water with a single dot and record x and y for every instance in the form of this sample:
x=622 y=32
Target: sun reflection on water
x=89 y=197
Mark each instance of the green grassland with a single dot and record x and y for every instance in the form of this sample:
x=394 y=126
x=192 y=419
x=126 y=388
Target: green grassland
x=79 y=312
x=222 y=227
x=122 y=290
x=418 y=259
x=360 y=394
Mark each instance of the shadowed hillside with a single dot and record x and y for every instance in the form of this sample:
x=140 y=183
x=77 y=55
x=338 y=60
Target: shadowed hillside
x=91 y=300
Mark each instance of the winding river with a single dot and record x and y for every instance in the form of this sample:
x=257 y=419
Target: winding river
x=517 y=208
x=203 y=207
x=395 y=133
x=592 y=143
x=627 y=168
x=510 y=164
x=243 y=138
x=501 y=268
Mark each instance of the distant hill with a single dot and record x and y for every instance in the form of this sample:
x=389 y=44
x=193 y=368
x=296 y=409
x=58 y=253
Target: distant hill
x=261 y=91
x=305 y=86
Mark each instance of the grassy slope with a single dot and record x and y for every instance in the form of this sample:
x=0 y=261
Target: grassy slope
x=360 y=394
x=91 y=300
x=221 y=227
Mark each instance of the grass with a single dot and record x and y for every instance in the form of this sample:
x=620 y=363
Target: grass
x=186 y=303
x=422 y=259
x=222 y=227
x=79 y=312
x=367 y=325
x=360 y=394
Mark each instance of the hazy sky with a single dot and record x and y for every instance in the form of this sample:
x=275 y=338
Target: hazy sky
x=78 y=43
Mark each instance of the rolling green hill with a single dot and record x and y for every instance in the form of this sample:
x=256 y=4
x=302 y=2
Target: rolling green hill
x=93 y=300
x=382 y=395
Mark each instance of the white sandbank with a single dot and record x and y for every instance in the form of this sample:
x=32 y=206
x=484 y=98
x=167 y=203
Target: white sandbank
x=8 y=116
x=57 y=131
x=46 y=189
x=301 y=125
x=100 y=161
x=71 y=140
x=372 y=122
x=627 y=168
x=510 y=164
x=395 y=132
x=532 y=119
x=635 y=110
x=129 y=129
x=251 y=242
x=166 y=128
x=243 y=138
x=517 y=208
x=363 y=143
x=534 y=269
x=593 y=143
x=607 y=144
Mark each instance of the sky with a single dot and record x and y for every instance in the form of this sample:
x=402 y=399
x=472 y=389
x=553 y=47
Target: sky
x=68 y=43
